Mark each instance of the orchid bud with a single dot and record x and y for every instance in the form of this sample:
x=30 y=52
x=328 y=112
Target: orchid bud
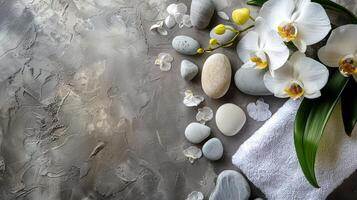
x=200 y=50
x=241 y=16
x=220 y=29
x=213 y=41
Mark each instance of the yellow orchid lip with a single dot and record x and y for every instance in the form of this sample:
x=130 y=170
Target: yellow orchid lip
x=295 y=90
x=288 y=32
x=348 y=66
x=259 y=62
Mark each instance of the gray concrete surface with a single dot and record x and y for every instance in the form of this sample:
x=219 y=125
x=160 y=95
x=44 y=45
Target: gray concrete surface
x=85 y=113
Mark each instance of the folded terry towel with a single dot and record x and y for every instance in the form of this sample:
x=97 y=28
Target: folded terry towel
x=269 y=160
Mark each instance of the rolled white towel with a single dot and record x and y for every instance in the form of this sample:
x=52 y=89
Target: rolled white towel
x=268 y=158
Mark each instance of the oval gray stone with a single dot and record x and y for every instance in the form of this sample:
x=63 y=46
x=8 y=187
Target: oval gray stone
x=185 y=45
x=250 y=81
x=224 y=38
x=231 y=185
x=213 y=149
x=188 y=70
x=196 y=132
x=201 y=13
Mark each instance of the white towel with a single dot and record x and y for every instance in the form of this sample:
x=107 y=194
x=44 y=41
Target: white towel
x=269 y=160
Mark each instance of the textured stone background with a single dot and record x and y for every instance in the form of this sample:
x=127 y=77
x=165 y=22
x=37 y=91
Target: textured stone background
x=85 y=114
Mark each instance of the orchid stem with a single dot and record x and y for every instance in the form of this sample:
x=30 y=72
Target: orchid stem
x=230 y=42
x=249 y=27
x=251 y=18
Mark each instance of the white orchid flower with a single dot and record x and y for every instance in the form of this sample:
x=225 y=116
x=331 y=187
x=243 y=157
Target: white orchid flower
x=301 y=21
x=262 y=48
x=300 y=76
x=341 y=50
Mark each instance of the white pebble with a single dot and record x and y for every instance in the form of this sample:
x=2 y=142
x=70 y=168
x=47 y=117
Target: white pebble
x=223 y=15
x=230 y=119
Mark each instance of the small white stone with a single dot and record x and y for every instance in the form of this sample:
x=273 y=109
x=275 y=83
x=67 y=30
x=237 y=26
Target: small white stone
x=196 y=132
x=259 y=111
x=170 y=21
x=230 y=119
x=191 y=100
x=195 y=195
x=192 y=153
x=223 y=15
x=204 y=114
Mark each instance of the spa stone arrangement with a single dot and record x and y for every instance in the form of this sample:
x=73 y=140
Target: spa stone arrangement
x=216 y=75
x=278 y=59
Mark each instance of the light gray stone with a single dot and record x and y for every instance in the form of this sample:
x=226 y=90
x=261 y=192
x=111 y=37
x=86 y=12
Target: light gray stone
x=250 y=81
x=196 y=132
x=185 y=45
x=188 y=70
x=231 y=185
x=224 y=38
x=213 y=149
x=201 y=13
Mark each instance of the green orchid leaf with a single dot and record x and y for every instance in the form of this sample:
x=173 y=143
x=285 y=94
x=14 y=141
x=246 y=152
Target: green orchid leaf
x=310 y=123
x=325 y=3
x=299 y=128
x=349 y=106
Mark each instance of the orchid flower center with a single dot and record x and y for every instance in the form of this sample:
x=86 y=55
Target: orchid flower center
x=348 y=65
x=295 y=90
x=288 y=31
x=260 y=60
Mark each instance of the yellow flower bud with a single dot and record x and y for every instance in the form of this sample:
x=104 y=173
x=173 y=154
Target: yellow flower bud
x=241 y=16
x=213 y=41
x=200 y=50
x=220 y=29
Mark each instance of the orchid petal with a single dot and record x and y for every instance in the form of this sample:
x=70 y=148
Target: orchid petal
x=249 y=64
x=170 y=21
x=277 y=51
x=280 y=81
x=171 y=9
x=178 y=17
x=312 y=95
x=186 y=21
x=301 y=45
x=277 y=11
x=341 y=42
x=262 y=28
x=247 y=46
x=311 y=73
x=181 y=8
x=313 y=23
x=330 y=55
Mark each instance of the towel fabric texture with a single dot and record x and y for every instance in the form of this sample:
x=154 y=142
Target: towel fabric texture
x=269 y=161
